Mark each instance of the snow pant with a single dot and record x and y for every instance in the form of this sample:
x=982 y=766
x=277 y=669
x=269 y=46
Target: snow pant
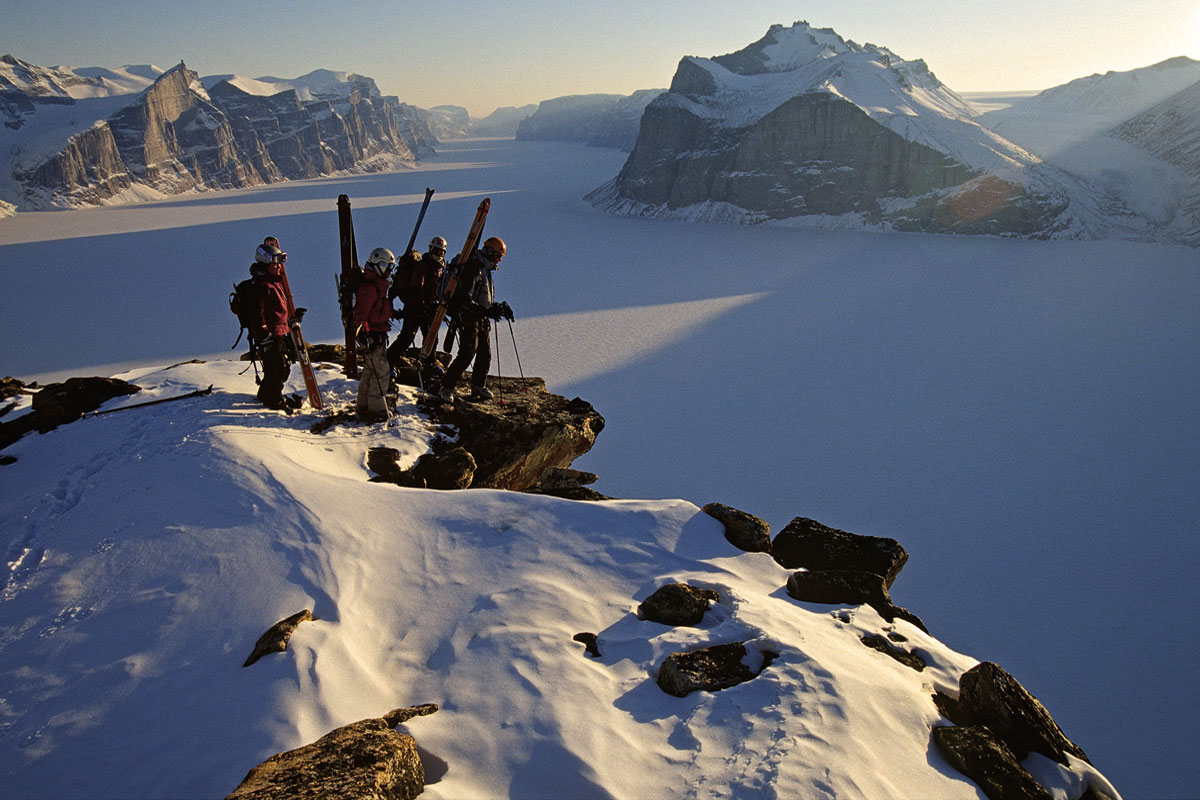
x=473 y=343
x=416 y=316
x=373 y=384
x=273 y=352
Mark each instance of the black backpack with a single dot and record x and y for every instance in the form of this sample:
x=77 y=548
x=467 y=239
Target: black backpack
x=245 y=301
x=401 y=288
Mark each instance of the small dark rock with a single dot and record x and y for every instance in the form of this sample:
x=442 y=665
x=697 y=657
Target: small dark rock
x=990 y=696
x=910 y=660
x=807 y=544
x=677 y=604
x=709 y=669
x=402 y=715
x=275 y=640
x=744 y=531
x=984 y=758
x=589 y=642
x=6 y=460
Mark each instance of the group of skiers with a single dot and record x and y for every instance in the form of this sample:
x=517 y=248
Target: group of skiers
x=421 y=284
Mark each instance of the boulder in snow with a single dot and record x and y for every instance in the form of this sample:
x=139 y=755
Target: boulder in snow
x=807 y=544
x=709 y=669
x=677 y=604
x=744 y=531
x=978 y=753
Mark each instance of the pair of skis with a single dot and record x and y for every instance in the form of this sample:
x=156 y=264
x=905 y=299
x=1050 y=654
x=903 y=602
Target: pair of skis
x=349 y=275
x=469 y=247
x=310 y=379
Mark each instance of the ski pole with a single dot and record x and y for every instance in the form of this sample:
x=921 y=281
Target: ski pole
x=515 y=350
x=499 y=387
x=197 y=393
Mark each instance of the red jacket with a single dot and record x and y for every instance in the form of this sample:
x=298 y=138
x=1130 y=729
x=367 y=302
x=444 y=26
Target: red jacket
x=274 y=304
x=371 y=304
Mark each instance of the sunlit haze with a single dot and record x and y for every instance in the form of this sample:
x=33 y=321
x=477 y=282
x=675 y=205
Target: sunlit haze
x=482 y=56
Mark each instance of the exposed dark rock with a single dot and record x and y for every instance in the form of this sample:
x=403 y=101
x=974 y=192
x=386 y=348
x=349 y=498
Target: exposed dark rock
x=983 y=757
x=521 y=433
x=744 y=531
x=589 y=642
x=448 y=467
x=11 y=387
x=68 y=401
x=570 y=484
x=709 y=669
x=677 y=604
x=402 y=715
x=990 y=696
x=854 y=587
x=807 y=544
x=275 y=640
x=60 y=403
x=365 y=759
x=908 y=659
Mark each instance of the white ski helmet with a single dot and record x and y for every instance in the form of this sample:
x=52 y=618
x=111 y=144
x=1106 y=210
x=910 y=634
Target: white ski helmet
x=269 y=254
x=438 y=243
x=381 y=261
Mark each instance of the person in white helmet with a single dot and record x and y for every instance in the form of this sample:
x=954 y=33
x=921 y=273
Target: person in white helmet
x=372 y=321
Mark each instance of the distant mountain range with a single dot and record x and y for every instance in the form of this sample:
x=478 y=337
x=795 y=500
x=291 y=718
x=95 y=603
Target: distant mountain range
x=85 y=136
x=806 y=128
x=599 y=120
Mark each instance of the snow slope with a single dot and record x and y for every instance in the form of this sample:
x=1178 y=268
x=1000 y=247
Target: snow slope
x=1019 y=415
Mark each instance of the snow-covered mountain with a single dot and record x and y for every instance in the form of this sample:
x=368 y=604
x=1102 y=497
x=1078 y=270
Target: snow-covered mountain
x=599 y=120
x=806 y=127
x=89 y=136
x=1125 y=133
x=174 y=535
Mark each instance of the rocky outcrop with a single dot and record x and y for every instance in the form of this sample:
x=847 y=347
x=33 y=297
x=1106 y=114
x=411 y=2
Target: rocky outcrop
x=905 y=657
x=997 y=723
x=598 y=120
x=522 y=433
x=744 y=531
x=365 y=759
x=990 y=696
x=806 y=543
x=710 y=669
x=677 y=604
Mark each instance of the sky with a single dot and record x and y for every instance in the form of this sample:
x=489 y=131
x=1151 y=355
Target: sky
x=486 y=55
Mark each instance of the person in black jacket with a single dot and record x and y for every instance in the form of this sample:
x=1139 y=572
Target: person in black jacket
x=420 y=297
x=474 y=305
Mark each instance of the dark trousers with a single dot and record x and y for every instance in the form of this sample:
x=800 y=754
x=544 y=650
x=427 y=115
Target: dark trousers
x=416 y=316
x=276 y=367
x=473 y=343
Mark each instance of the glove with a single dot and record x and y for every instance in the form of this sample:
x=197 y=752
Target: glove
x=502 y=311
x=300 y=314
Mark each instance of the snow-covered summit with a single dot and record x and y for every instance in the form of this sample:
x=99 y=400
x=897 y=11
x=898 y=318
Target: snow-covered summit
x=316 y=85
x=739 y=89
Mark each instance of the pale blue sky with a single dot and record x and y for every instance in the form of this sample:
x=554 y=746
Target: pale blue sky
x=483 y=55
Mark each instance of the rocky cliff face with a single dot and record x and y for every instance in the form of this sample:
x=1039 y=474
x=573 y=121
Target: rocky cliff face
x=598 y=120
x=176 y=136
x=805 y=125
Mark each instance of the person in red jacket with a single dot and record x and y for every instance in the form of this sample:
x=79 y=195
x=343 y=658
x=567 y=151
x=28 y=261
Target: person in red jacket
x=272 y=336
x=372 y=321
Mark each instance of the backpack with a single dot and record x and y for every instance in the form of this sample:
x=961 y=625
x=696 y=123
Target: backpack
x=245 y=304
x=402 y=276
x=448 y=273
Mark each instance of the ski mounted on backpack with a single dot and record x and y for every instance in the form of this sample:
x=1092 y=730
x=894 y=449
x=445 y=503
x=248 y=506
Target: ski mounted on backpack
x=310 y=379
x=468 y=247
x=347 y=281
